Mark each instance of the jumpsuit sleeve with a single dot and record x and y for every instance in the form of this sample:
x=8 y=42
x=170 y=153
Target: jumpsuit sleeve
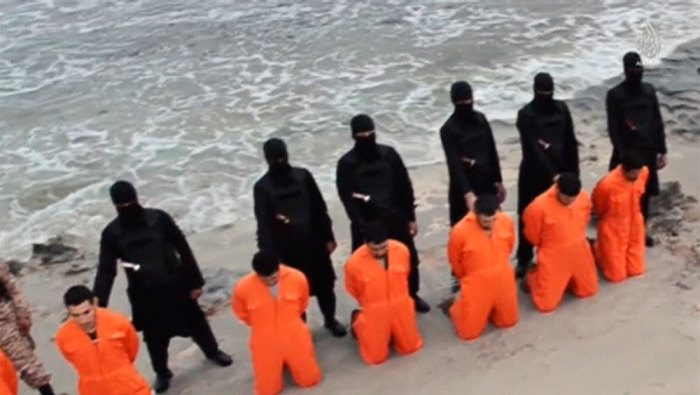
x=454 y=163
x=238 y=305
x=191 y=274
x=106 y=270
x=614 y=114
x=455 y=245
x=600 y=197
x=18 y=301
x=570 y=143
x=344 y=184
x=659 y=133
x=532 y=221
x=132 y=341
x=351 y=284
x=264 y=217
x=495 y=164
x=404 y=188
x=531 y=148
x=319 y=204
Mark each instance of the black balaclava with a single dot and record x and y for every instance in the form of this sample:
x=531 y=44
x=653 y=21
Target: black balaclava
x=632 y=64
x=461 y=91
x=122 y=192
x=277 y=158
x=543 y=82
x=366 y=147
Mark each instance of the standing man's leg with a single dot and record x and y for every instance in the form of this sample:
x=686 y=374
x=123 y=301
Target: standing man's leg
x=525 y=251
x=325 y=296
x=157 y=346
x=203 y=336
x=398 y=230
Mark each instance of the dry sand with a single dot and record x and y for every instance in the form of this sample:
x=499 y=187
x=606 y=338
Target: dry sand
x=638 y=337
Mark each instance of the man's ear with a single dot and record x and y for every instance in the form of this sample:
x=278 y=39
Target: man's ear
x=96 y=301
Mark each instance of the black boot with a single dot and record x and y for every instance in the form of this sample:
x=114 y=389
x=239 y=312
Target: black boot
x=335 y=328
x=521 y=269
x=46 y=390
x=162 y=382
x=221 y=358
x=649 y=241
x=421 y=305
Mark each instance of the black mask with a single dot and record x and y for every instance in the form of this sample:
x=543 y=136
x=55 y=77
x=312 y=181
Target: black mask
x=632 y=65
x=543 y=83
x=366 y=147
x=280 y=170
x=464 y=111
x=130 y=215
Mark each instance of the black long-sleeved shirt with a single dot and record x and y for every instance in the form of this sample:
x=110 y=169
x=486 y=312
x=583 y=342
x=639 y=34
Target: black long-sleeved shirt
x=322 y=226
x=535 y=158
x=188 y=269
x=402 y=189
x=451 y=135
x=648 y=136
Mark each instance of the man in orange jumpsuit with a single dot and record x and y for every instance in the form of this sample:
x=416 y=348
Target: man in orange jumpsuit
x=8 y=377
x=555 y=223
x=271 y=301
x=478 y=250
x=376 y=276
x=619 y=249
x=101 y=345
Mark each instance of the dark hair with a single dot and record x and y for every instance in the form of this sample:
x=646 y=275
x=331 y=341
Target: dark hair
x=631 y=160
x=569 y=184
x=375 y=232
x=265 y=263
x=78 y=294
x=486 y=205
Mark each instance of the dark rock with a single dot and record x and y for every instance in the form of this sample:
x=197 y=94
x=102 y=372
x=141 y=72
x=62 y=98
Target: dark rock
x=15 y=266
x=54 y=251
x=77 y=268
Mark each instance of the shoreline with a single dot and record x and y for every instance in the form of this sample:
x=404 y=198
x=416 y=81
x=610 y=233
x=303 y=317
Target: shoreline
x=603 y=342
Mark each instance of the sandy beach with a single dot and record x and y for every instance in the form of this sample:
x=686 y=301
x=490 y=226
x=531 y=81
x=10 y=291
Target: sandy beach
x=638 y=337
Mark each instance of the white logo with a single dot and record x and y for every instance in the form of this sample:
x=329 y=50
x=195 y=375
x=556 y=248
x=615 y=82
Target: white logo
x=648 y=43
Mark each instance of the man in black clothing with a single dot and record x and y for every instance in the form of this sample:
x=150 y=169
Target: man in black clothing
x=164 y=281
x=549 y=148
x=470 y=150
x=293 y=222
x=373 y=184
x=634 y=122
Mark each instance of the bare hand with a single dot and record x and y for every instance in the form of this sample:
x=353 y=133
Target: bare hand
x=500 y=192
x=661 y=161
x=330 y=247
x=25 y=324
x=413 y=228
x=195 y=293
x=470 y=199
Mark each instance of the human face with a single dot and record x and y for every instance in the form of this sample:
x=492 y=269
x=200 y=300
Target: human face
x=272 y=279
x=486 y=221
x=632 y=175
x=378 y=250
x=84 y=315
x=565 y=199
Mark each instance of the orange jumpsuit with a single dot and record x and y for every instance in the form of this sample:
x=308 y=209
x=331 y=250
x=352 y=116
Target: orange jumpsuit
x=104 y=366
x=564 y=257
x=486 y=278
x=387 y=311
x=8 y=377
x=619 y=249
x=278 y=334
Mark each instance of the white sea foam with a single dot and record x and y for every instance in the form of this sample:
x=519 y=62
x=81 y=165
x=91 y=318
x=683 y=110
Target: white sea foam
x=178 y=96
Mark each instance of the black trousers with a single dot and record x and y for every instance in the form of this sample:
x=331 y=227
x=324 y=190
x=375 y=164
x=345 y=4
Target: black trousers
x=158 y=341
x=398 y=230
x=325 y=296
